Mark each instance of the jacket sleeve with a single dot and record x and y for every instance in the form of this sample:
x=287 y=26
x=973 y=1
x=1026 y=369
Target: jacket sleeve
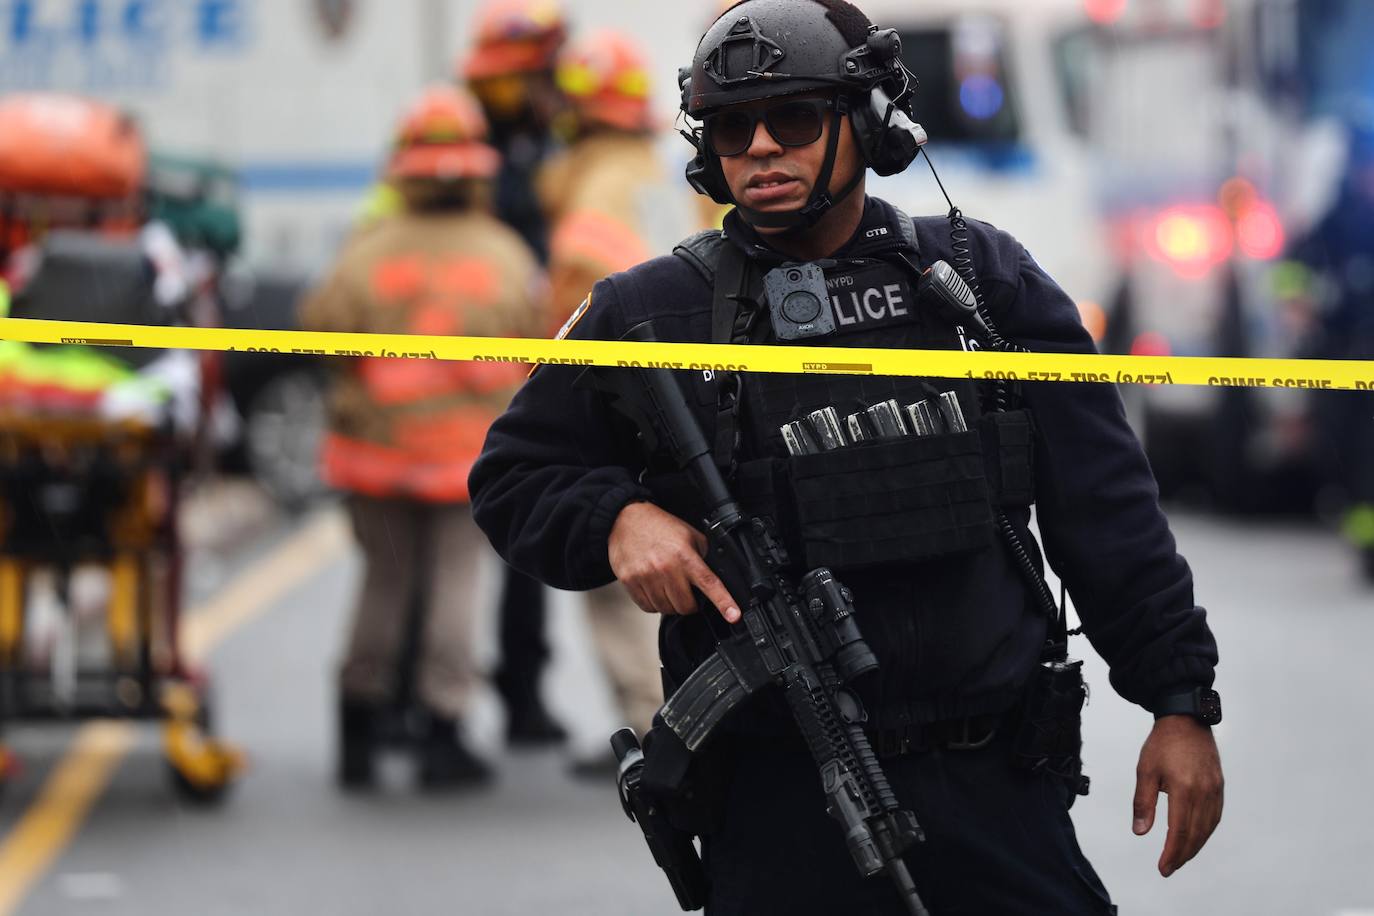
x=329 y=306
x=557 y=468
x=1098 y=510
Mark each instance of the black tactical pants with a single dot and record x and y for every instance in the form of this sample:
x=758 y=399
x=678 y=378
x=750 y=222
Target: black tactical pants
x=522 y=637
x=999 y=842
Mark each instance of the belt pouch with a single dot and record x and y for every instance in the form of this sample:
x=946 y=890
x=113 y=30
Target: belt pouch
x=1049 y=733
x=894 y=500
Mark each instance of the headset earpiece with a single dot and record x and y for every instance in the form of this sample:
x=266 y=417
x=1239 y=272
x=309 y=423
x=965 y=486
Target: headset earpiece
x=885 y=45
x=703 y=172
x=705 y=176
x=894 y=138
x=882 y=118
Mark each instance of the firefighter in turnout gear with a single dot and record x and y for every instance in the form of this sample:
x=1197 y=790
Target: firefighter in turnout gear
x=404 y=432
x=608 y=196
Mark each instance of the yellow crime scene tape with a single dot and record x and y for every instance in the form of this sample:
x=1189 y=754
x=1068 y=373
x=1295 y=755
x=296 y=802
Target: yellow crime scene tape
x=1246 y=372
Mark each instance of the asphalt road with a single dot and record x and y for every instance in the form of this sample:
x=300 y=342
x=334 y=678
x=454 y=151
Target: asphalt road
x=1297 y=838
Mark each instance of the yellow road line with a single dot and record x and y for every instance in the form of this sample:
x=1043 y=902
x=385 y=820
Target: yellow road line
x=79 y=779
x=253 y=593
x=53 y=819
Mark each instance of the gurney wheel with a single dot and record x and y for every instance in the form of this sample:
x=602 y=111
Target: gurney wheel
x=203 y=793
x=200 y=796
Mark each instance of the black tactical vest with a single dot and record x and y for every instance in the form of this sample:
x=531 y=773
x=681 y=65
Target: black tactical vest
x=878 y=502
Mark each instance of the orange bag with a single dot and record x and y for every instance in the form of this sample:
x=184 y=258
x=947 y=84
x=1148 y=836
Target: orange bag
x=64 y=145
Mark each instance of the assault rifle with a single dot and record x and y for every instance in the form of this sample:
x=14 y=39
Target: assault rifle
x=800 y=636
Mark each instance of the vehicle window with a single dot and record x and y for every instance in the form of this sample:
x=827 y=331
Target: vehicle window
x=1121 y=94
x=1073 y=65
x=1137 y=112
x=964 y=91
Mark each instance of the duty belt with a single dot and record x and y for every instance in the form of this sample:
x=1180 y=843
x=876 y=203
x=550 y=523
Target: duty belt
x=969 y=733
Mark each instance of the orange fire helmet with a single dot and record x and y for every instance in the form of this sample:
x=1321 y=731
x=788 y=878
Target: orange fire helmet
x=68 y=146
x=606 y=78
x=516 y=36
x=443 y=137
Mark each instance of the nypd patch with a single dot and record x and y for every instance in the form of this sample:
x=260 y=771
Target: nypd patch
x=568 y=325
x=574 y=318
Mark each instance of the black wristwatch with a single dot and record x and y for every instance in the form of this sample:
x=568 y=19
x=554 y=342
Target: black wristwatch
x=1202 y=703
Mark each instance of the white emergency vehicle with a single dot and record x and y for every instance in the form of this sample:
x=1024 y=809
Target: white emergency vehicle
x=1207 y=164
x=990 y=96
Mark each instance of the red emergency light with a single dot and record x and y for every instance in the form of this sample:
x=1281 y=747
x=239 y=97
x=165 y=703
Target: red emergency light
x=1191 y=239
x=1104 y=12
x=1151 y=343
x=1259 y=231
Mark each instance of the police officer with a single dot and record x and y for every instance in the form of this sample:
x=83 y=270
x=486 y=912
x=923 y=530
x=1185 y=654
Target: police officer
x=404 y=432
x=510 y=69
x=796 y=99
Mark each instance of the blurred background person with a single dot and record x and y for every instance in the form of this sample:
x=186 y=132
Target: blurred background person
x=403 y=433
x=608 y=196
x=1330 y=281
x=510 y=71
x=611 y=204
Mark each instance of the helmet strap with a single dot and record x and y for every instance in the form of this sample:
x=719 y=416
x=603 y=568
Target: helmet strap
x=821 y=201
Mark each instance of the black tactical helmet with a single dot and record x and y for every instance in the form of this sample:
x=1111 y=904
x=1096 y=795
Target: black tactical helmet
x=760 y=49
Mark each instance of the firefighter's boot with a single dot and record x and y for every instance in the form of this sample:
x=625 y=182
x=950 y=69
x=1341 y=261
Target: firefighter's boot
x=446 y=762
x=358 y=723
x=528 y=721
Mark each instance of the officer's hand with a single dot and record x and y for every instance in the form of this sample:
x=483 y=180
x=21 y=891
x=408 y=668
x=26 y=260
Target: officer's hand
x=658 y=558
x=1179 y=759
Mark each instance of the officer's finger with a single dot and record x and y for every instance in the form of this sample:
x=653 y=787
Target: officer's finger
x=1206 y=814
x=640 y=596
x=678 y=592
x=667 y=601
x=664 y=599
x=1196 y=832
x=1143 y=805
x=1181 y=832
x=714 y=590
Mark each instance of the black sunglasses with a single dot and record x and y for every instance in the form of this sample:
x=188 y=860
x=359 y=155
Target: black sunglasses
x=792 y=122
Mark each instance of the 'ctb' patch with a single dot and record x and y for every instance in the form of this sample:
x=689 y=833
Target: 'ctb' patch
x=872 y=297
